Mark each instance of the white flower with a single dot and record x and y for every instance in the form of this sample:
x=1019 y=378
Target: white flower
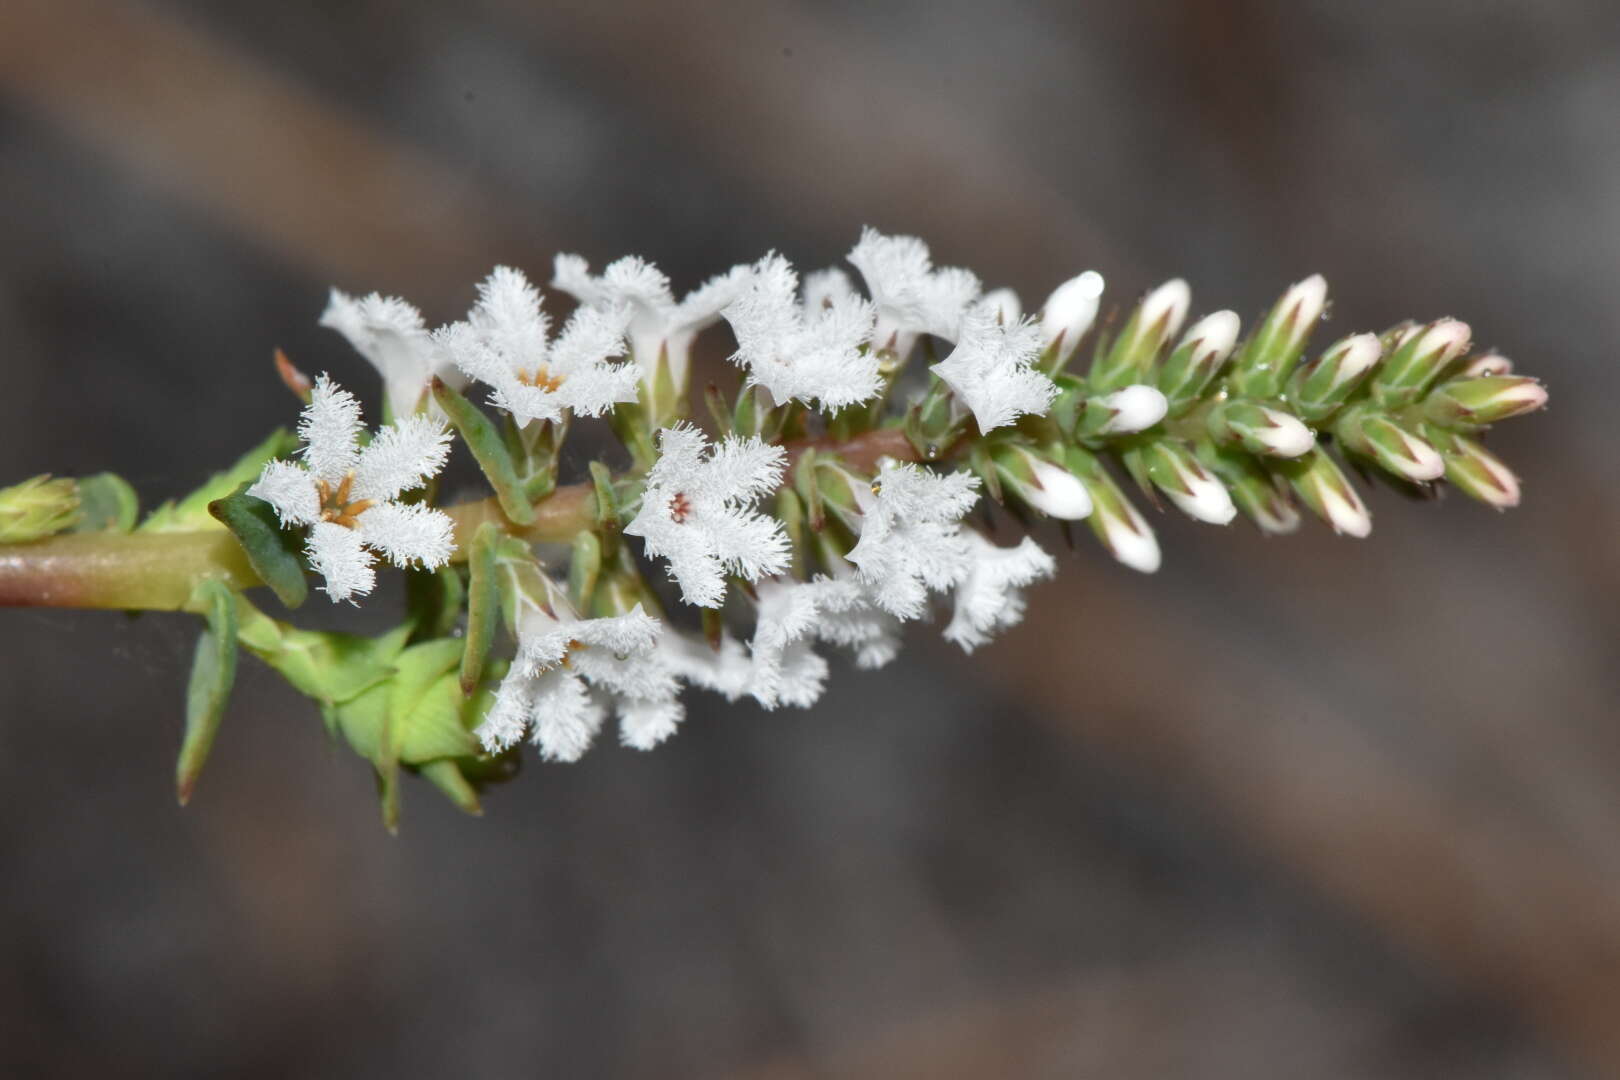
x=1003 y=304
x=346 y=494
x=389 y=333
x=503 y=343
x=727 y=670
x=658 y=325
x=992 y=370
x=912 y=297
x=1069 y=312
x=1134 y=408
x=805 y=352
x=988 y=597
x=785 y=668
x=569 y=670
x=696 y=511
x=911 y=540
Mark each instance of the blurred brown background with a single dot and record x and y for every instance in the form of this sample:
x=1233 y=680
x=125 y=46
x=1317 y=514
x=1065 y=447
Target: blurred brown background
x=1306 y=807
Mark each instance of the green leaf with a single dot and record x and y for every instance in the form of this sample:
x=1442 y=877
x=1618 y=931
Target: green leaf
x=607 y=510
x=433 y=726
x=584 y=570
x=483 y=604
x=488 y=449
x=271 y=551
x=106 y=503
x=213 y=671
x=191 y=513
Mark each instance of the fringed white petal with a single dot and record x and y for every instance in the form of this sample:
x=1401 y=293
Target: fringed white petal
x=401 y=457
x=290 y=489
x=337 y=555
x=329 y=427
x=409 y=534
x=988 y=598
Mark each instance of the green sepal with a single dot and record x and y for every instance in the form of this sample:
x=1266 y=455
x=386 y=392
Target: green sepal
x=191 y=513
x=483 y=604
x=790 y=512
x=584 y=570
x=715 y=402
x=36 y=508
x=106 y=504
x=271 y=551
x=446 y=775
x=213 y=671
x=988 y=464
x=491 y=452
x=607 y=505
x=808 y=486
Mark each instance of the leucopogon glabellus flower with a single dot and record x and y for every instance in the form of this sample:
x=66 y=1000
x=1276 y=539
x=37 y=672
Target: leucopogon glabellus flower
x=697 y=511
x=504 y=344
x=347 y=495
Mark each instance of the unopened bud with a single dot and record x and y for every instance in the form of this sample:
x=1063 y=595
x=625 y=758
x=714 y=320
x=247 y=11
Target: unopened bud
x=1067 y=316
x=1324 y=384
x=1328 y=492
x=37 y=508
x=1477 y=472
x=1267 y=358
x=1484 y=399
x=1049 y=488
x=1118 y=524
x=1003 y=304
x=1419 y=355
x=1194 y=489
x=1260 y=429
x=1258 y=493
x=1486 y=364
x=1155 y=321
x=1395 y=449
x=1198 y=359
x=1134 y=408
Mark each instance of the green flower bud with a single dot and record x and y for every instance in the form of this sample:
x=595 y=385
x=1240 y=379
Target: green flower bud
x=1321 y=386
x=1484 y=399
x=1372 y=434
x=1475 y=471
x=1196 y=491
x=1130 y=359
x=1267 y=358
x=1328 y=492
x=1198 y=359
x=1040 y=483
x=37 y=508
x=1118 y=524
x=1417 y=356
x=1259 y=429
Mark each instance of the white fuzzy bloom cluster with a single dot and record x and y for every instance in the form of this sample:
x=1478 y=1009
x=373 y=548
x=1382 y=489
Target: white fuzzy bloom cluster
x=696 y=511
x=346 y=495
x=912 y=296
x=814 y=350
x=992 y=369
x=503 y=343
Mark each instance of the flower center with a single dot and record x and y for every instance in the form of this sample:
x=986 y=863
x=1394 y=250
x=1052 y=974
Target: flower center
x=336 y=504
x=680 y=508
x=542 y=379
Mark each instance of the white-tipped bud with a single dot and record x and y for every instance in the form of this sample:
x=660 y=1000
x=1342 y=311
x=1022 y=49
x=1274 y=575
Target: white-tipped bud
x=1487 y=364
x=1069 y=313
x=1218 y=332
x=1308 y=298
x=1130 y=539
x=1346 y=512
x=1204 y=499
x=1004 y=305
x=1134 y=408
x=1288 y=436
x=1056 y=492
x=1168 y=303
x=1360 y=354
x=1275 y=517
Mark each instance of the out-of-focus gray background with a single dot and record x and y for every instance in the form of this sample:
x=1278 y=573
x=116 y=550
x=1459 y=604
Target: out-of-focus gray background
x=1299 y=807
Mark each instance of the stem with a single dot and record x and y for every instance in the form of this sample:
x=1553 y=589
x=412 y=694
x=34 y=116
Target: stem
x=160 y=571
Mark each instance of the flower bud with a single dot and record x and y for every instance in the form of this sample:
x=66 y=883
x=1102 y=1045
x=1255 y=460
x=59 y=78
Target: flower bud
x=1418 y=356
x=1267 y=358
x=1322 y=385
x=1484 y=399
x=1327 y=491
x=1194 y=489
x=37 y=508
x=1198 y=359
x=1118 y=524
x=1134 y=408
x=1049 y=488
x=1155 y=321
x=1475 y=471
x=1486 y=364
x=1260 y=429
x=1397 y=451
x=1067 y=316
x=1257 y=492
